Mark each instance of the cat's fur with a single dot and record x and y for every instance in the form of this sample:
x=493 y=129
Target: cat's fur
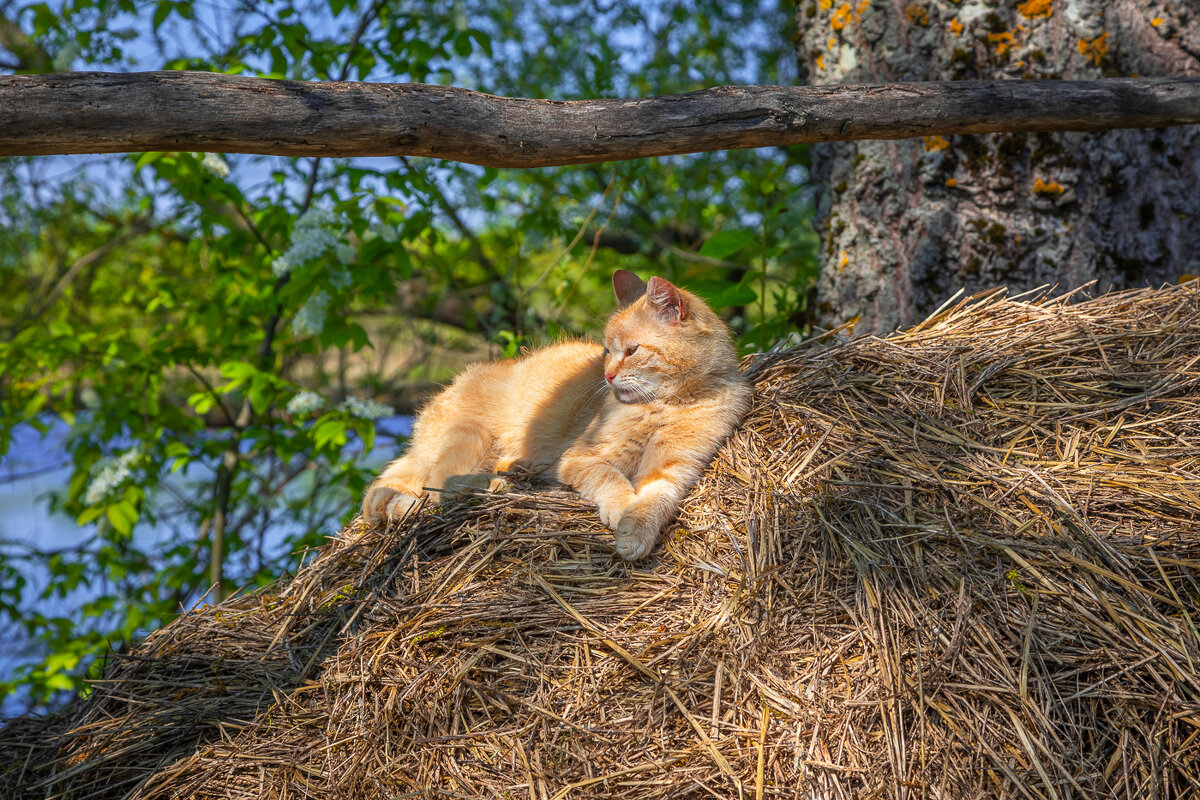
x=630 y=425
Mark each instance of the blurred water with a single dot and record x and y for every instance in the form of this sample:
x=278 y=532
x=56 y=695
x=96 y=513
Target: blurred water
x=37 y=465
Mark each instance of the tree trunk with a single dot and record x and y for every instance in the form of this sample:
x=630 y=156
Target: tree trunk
x=908 y=223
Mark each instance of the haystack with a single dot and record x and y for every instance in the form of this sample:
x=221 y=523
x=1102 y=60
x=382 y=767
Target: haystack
x=958 y=562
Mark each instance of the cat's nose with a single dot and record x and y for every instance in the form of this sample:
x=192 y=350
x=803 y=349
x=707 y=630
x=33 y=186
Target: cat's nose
x=608 y=376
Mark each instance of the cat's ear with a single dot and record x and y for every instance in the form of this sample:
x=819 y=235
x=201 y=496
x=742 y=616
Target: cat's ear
x=666 y=300
x=628 y=287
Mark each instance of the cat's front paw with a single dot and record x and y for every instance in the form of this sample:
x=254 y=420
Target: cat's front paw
x=475 y=482
x=635 y=535
x=611 y=511
x=382 y=502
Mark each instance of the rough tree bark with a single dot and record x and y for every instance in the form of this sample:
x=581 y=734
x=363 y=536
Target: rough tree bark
x=907 y=223
x=98 y=112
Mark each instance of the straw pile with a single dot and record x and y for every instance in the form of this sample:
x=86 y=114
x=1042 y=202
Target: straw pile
x=959 y=562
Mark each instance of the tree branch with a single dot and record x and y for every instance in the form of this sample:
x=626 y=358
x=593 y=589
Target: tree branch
x=105 y=113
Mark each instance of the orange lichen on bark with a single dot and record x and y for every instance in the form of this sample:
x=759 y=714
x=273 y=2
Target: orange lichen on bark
x=1094 y=49
x=936 y=143
x=825 y=4
x=1001 y=41
x=1053 y=187
x=820 y=61
x=1035 y=8
x=917 y=14
x=832 y=42
x=951 y=183
x=1156 y=21
x=842 y=17
x=861 y=7
x=843 y=262
x=956 y=27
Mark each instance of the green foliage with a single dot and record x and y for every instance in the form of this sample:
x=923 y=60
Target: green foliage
x=208 y=327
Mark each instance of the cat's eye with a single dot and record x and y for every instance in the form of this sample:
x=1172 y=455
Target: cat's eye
x=630 y=350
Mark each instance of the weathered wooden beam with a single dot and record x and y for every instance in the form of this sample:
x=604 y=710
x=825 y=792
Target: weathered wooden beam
x=94 y=112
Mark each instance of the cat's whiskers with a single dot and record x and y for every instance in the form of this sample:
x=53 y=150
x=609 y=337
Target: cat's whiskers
x=640 y=388
x=669 y=393
x=599 y=390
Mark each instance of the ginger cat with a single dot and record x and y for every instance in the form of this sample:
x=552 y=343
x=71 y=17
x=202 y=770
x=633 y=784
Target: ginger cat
x=630 y=425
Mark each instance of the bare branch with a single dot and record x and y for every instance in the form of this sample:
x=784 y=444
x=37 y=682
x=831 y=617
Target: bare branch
x=104 y=112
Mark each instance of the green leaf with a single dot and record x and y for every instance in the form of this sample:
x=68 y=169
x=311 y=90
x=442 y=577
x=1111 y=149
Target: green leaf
x=59 y=682
x=33 y=406
x=201 y=402
x=238 y=371
x=123 y=517
x=352 y=335
x=724 y=244
x=462 y=44
x=482 y=40
x=179 y=455
x=259 y=395
x=61 y=661
x=43 y=19
x=366 y=430
x=329 y=431
x=724 y=294
x=145 y=159
x=161 y=12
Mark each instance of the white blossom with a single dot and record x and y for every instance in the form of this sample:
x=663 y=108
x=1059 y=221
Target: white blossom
x=90 y=398
x=318 y=217
x=308 y=243
x=305 y=402
x=310 y=319
x=66 y=56
x=316 y=232
x=110 y=474
x=340 y=278
x=216 y=165
x=346 y=253
x=388 y=233
x=367 y=409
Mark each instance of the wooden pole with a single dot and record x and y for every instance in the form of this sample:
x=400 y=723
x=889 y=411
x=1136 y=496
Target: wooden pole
x=94 y=112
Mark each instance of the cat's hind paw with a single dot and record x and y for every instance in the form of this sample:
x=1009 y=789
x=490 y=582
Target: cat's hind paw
x=635 y=537
x=382 y=502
